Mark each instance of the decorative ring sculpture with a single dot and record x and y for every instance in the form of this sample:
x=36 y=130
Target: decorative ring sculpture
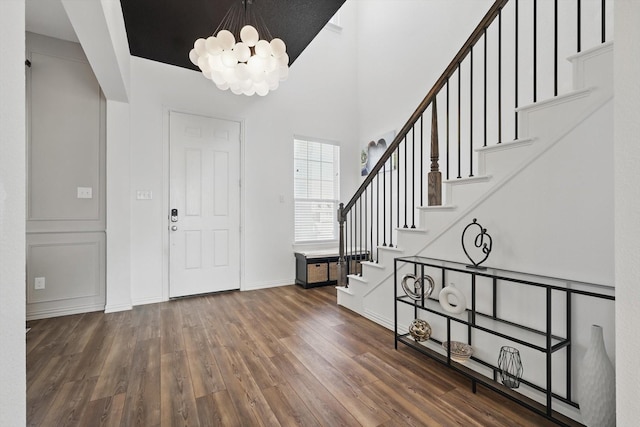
x=419 y=291
x=420 y=330
x=461 y=301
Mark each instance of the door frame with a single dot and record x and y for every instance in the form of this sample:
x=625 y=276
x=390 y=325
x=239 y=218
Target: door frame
x=166 y=110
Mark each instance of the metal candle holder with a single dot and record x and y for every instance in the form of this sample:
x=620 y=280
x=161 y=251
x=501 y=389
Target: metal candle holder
x=510 y=366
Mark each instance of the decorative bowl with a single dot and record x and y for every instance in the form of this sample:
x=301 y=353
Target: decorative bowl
x=460 y=352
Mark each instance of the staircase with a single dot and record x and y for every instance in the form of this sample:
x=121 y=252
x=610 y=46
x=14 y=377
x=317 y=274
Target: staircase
x=504 y=171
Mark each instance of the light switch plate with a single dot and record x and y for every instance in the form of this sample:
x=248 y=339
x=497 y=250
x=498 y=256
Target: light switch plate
x=85 y=193
x=144 y=195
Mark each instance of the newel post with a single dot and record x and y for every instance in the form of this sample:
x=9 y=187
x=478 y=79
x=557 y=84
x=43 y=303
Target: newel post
x=435 y=177
x=342 y=263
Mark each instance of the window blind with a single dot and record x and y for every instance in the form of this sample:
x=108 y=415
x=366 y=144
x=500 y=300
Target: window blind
x=316 y=190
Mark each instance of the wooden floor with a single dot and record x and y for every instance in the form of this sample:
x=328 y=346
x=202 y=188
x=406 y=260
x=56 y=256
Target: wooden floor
x=281 y=356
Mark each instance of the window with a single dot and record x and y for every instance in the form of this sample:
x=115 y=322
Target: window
x=316 y=190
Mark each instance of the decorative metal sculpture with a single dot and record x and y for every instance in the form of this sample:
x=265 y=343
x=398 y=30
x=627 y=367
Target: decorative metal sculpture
x=482 y=240
x=419 y=291
x=420 y=330
x=510 y=366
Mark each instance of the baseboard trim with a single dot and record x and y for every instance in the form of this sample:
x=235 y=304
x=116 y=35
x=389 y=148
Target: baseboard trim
x=117 y=307
x=66 y=311
x=266 y=285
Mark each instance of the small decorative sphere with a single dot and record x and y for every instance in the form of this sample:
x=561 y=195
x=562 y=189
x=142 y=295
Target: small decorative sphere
x=242 y=71
x=215 y=63
x=200 y=47
x=193 y=56
x=203 y=63
x=249 y=35
x=263 y=49
x=213 y=46
x=242 y=52
x=226 y=39
x=278 y=48
x=229 y=59
x=262 y=88
x=420 y=330
x=284 y=59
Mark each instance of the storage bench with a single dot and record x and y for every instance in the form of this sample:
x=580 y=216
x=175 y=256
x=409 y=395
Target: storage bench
x=320 y=268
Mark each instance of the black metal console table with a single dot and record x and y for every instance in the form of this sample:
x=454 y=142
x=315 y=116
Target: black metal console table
x=490 y=282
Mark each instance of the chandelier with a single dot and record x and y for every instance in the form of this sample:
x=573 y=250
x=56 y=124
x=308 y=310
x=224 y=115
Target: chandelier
x=236 y=58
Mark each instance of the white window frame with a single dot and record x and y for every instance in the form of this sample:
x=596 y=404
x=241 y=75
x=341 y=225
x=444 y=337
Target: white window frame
x=335 y=201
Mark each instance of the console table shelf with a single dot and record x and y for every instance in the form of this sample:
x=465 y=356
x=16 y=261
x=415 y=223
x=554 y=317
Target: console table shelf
x=484 y=287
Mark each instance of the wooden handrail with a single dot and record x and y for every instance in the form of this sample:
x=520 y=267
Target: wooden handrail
x=491 y=14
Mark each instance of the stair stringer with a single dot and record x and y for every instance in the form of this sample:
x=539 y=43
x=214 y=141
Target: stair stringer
x=374 y=300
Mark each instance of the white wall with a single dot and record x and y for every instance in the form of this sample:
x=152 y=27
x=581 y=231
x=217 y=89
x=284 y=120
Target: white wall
x=627 y=208
x=118 y=207
x=318 y=100
x=403 y=47
x=12 y=214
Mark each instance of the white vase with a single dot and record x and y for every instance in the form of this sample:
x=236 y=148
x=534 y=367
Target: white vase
x=597 y=395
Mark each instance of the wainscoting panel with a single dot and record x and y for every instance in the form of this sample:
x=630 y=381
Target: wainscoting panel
x=66 y=151
x=72 y=266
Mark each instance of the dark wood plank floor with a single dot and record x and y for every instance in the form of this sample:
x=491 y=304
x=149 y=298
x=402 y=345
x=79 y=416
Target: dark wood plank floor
x=281 y=356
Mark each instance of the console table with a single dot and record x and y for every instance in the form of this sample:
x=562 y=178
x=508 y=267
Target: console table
x=483 y=322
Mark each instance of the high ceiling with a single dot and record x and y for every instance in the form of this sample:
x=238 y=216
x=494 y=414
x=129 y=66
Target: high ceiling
x=164 y=30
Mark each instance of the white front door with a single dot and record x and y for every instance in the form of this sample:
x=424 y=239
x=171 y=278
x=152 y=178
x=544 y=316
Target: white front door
x=204 y=209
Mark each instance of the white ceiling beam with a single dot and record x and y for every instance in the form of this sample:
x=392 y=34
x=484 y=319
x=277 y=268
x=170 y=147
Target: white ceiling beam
x=100 y=28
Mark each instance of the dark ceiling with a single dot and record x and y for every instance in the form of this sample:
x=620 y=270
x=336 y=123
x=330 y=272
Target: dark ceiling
x=164 y=30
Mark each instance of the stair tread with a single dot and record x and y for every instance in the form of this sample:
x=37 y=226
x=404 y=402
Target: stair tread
x=468 y=180
x=389 y=248
x=506 y=145
x=373 y=264
x=345 y=290
x=412 y=230
x=439 y=208
x=357 y=278
x=574 y=94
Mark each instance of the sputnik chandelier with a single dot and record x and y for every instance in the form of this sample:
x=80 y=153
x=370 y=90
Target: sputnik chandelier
x=248 y=66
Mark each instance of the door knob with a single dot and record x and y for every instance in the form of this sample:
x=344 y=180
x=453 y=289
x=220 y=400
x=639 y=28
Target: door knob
x=174 y=228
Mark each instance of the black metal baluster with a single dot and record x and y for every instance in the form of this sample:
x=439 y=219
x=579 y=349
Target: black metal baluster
x=555 y=48
x=500 y=76
x=391 y=197
x=602 y=7
x=355 y=234
x=535 y=50
x=579 y=25
x=384 y=208
x=569 y=337
x=421 y=160
x=371 y=222
x=366 y=214
x=377 y=214
x=459 y=119
x=471 y=112
x=406 y=167
x=447 y=127
x=413 y=176
x=359 y=248
x=549 y=354
x=485 y=87
x=516 y=76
